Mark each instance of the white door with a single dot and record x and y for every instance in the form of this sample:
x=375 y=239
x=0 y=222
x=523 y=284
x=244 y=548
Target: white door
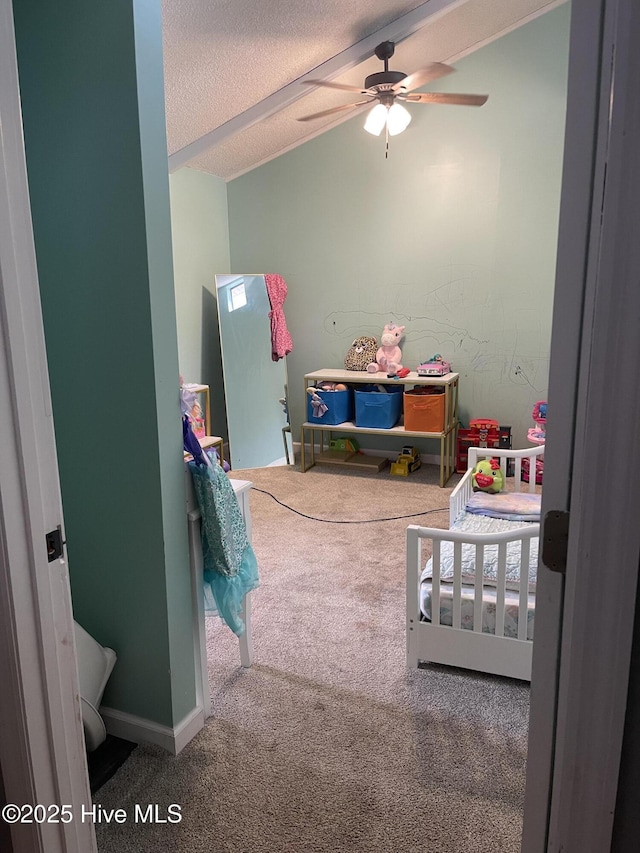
x=584 y=622
x=41 y=743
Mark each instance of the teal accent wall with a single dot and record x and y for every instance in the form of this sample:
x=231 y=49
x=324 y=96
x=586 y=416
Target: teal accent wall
x=454 y=235
x=91 y=82
x=200 y=231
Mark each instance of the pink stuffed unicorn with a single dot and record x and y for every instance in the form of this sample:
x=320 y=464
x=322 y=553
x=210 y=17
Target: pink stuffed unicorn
x=389 y=355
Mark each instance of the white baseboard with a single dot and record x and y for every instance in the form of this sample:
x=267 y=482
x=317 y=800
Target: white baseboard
x=139 y=730
x=427 y=458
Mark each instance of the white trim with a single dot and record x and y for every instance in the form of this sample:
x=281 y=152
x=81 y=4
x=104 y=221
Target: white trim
x=604 y=532
x=140 y=730
x=598 y=290
x=573 y=248
x=41 y=739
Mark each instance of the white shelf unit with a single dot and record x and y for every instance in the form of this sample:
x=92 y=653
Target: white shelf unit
x=447 y=437
x=242 y=489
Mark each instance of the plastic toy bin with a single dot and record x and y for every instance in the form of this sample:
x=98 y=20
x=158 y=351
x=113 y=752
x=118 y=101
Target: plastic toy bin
x=378 y=409
x=423 y=412
x=339 y=407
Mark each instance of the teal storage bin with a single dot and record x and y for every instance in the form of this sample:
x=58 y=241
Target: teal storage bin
x=377 y=409
x=339 y=407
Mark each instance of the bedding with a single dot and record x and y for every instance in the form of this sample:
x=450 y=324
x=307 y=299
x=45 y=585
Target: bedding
x=511 y=506
x=489 y=596
x=472 y=523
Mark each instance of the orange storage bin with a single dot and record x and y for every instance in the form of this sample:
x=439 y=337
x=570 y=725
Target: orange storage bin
x=423 y=412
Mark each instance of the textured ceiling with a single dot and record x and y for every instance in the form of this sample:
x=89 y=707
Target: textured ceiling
x=232 y=67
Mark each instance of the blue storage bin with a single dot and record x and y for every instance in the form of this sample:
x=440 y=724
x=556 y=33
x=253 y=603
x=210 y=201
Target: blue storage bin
x=339 y=407
x=377 y=409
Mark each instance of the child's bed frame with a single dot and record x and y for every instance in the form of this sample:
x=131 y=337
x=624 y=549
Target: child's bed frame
x=451 y=644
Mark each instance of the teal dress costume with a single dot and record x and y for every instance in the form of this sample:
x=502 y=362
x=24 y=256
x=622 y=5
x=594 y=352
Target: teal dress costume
x=230 y=565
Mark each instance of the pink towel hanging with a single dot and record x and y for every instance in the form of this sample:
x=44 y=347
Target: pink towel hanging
x=281 y=343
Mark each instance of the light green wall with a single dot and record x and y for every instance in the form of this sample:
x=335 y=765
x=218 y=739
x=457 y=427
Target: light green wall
x=200 y=232
x=92 y=90
x=453 y=236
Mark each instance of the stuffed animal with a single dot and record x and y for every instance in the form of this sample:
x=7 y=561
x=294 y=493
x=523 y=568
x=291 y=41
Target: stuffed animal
x=361 y=353
x=389 y=356
x=487 y=476
x=331 y=386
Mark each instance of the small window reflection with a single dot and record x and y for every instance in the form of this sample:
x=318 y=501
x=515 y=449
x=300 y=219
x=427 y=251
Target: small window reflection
x=237 y=297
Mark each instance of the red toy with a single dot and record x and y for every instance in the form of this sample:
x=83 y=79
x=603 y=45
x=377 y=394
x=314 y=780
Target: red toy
x=482 y=432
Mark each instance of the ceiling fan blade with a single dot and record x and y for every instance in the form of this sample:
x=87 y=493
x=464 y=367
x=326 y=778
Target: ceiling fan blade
x=423 y=75
x=334 y=110
x=445 y=98
x=342 y=86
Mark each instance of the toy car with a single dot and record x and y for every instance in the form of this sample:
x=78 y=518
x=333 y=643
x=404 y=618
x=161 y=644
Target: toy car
x=408 y=461
x=434 y=368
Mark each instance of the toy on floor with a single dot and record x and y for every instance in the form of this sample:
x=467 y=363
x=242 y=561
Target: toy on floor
x=389 y=355
x=487 y=476
x=408 y=460
x=348 y=445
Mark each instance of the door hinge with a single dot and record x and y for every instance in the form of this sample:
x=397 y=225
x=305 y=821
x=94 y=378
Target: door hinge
x=556 y=540
x=54 y=544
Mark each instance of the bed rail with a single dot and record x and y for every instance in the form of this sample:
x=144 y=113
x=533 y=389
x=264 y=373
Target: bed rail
x=453 y=644
x=463 y=491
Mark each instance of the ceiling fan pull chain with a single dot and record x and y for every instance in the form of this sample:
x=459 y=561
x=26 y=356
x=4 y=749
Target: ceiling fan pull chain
x=386 y=139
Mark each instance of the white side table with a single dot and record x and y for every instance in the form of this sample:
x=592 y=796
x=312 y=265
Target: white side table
x=241 y=489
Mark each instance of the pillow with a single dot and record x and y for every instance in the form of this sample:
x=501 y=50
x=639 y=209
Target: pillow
x=481 y=524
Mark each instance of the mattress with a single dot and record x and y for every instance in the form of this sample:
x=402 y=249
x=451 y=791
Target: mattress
x=474 y=523
x=489 y=597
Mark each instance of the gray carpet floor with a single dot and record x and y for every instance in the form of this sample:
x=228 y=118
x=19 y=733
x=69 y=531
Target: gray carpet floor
x=328 y=743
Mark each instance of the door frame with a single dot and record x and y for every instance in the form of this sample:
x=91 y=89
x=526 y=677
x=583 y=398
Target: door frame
x=42 y=749
x=584 y=626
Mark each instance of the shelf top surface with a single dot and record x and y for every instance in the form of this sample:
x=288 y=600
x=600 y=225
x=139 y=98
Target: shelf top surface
x=349 y=426
x=362 y=376
x=194 y=386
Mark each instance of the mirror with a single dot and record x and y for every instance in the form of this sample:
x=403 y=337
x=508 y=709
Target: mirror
x=254 y=384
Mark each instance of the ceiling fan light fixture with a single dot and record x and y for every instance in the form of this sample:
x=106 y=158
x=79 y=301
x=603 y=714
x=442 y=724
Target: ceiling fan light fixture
x=376 y=119
x=398 y=119
x=385 y=86
x=395 y=117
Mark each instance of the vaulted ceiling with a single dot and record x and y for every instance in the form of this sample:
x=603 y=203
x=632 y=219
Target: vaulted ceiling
x=234 y=68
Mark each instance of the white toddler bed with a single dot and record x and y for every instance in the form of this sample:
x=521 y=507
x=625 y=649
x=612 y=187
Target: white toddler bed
x=451 y=619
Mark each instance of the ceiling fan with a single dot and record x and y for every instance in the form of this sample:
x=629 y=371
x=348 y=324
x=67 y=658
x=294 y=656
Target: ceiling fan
x=389 y=89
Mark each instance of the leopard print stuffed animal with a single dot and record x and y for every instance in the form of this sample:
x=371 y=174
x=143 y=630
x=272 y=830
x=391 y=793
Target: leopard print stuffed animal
x=361 y=353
